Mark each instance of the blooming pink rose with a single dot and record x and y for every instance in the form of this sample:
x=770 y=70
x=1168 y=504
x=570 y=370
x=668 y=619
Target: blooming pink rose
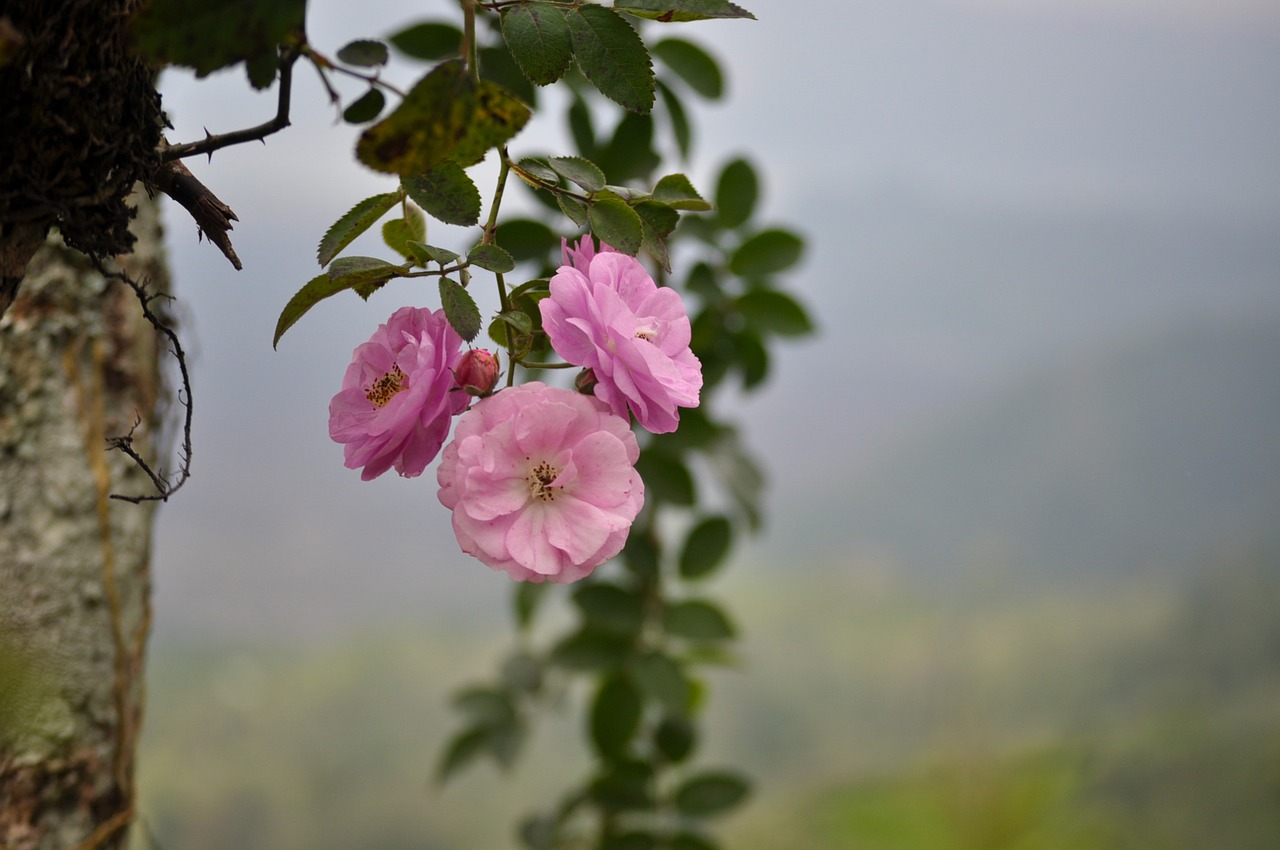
x=605 y=313
x=396 y=401
x=541 y=482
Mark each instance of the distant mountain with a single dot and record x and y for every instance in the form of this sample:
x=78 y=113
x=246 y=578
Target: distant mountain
x=1158 y=450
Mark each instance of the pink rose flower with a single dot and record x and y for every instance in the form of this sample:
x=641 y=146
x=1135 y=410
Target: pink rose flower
x=541 y=482
x=605 y=313
x=477 y=372
x=396 y=403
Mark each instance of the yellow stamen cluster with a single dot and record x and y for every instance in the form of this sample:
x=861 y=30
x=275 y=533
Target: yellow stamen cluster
x=383 y=389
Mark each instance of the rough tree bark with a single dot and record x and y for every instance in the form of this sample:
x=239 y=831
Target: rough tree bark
x=78 y=364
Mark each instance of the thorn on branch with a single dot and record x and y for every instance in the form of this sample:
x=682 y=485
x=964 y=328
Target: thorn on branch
x=212 y=216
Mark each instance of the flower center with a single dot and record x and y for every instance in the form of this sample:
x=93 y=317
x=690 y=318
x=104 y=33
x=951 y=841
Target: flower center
x=383 y=389
x=539 y=480
x=646 y=328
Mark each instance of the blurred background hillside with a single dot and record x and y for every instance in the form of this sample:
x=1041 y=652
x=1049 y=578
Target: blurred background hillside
x=1020 y=583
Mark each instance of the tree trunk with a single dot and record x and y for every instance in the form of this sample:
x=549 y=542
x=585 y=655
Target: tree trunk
x=78 y=364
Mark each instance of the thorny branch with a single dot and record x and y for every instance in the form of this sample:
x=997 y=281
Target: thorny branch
x=211 y=143
x=124 y=443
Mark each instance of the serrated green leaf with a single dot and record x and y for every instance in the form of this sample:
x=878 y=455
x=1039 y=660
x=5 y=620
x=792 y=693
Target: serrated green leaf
x=737 y=192
x=362 y=273
x=497 y=116
x=659 y=220
x=693 y=64
x=629 y=155
x=615 y=716
x=363 y=52
x=365 y=108
x=679 y=11
x=355 y=221
x=609 y=608
x=710 y=793
x=537 y=35
x=575 y=208
x=581 y=171
x=539 y=169
x=697 y=620
x=399 y=232
x=426 y=127
x=446 y=193
x=767 y=252
x=772 y=311
x=429 y=41
x=706 y=547
x=612 y=56
x=517 y=319
x=460 y=309
x=424 y=254
x=616 y=223
x=491 y=258
x=681 y=130
x=313 y=291
x=208 y=36
x=677 y=192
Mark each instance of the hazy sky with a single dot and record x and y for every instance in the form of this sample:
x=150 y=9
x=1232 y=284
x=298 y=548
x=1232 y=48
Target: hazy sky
x=984 y=183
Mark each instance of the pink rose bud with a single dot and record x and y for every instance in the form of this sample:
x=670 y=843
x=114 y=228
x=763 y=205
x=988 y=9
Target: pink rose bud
x=476 y=372
x=586 y=382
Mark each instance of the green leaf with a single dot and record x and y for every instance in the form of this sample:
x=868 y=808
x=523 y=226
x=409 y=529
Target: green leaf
x=366 y=108
x=767 y=252
x=752 y=357
x=693 y=64
x=313 y=291
x=629 y=155
x=610 y=608
x=615 y=716
x=690 y=841
x=539 y=169
x=427 y=125
x=498 y=66
x=682 y=10
x=581 y=127
x=661 y=680
x=575 y=208
x=737 y=191
x=486 y=706
x=584 y=172
x=446 y=193
x=706 y=547
x=518 y=320
x=632 y=840
x=363 y=52
x=399 y=232
x=498 y=115
x=658 y=220
x=613 y=221
x=612 y=56
x=460 y=309
x=537 y=35
x=710 y=793
x=774 y=312
x=522 y=672
x=424 y=254
x=363 y=274
x=697 y=620
x=355 y=221
x=527 y=596
x=590 y=649
x=666 y=478
x=675 y=737
x=465 y=748
x=261 y=69
x=624 y=786
x=739 y=474
x=491 y=258
x=677 y=192
x=641 y=555
x=429 y=41
x=681 y=130
x=527 y=239
x=208 y=36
